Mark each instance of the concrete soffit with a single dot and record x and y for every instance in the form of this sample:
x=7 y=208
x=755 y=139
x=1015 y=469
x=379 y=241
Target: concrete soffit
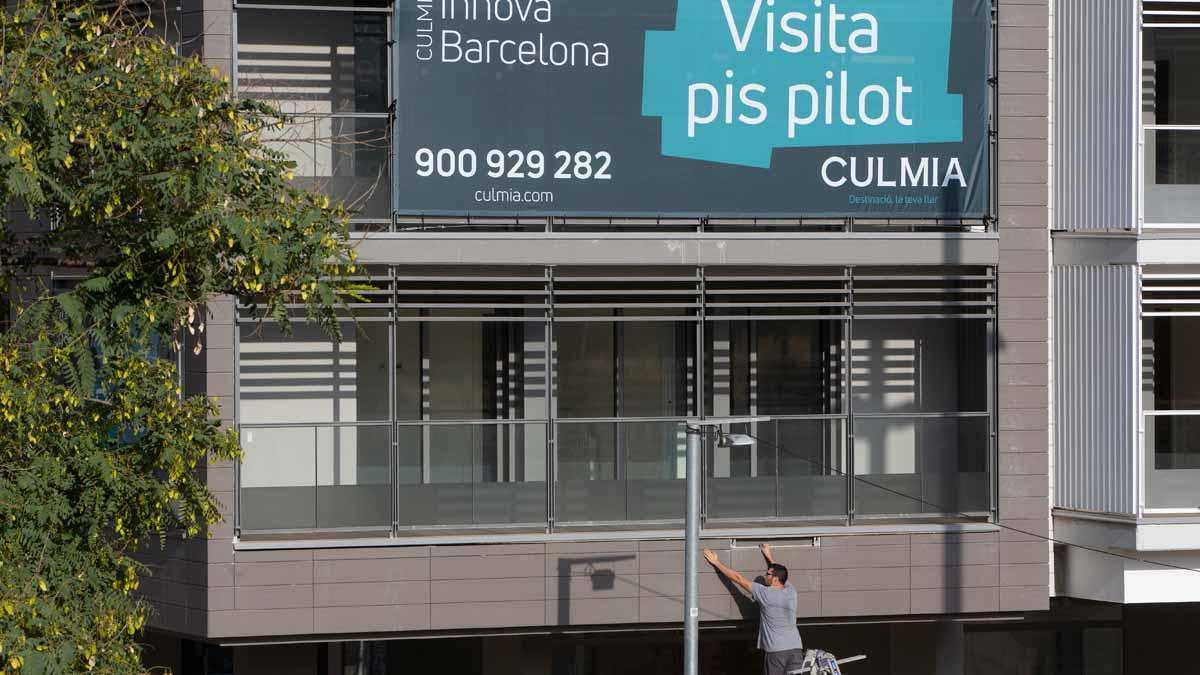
x=681 y=248
x=1070 y=248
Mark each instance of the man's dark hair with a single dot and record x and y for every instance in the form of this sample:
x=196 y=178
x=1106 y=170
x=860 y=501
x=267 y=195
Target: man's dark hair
x=779 y=571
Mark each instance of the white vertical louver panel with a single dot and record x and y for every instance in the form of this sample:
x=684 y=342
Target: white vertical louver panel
x=1096 y=360
x=1096 y=85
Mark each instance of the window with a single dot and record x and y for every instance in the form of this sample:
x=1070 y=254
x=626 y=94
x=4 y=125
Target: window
x=313 y=416
x=1171 y=388
x=328 y=70
x=1170 y=113
x=535 y=398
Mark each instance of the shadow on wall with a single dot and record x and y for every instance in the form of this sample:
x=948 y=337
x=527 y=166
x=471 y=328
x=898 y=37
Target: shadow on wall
x=603 y=579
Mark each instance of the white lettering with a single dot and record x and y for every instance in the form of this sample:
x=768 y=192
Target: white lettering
x=714 y=106
x=954 y=172
x=739 y=43
x=751 y=103
x=825 y=172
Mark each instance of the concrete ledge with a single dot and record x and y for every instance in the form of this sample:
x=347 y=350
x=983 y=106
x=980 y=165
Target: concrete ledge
x=563 y=537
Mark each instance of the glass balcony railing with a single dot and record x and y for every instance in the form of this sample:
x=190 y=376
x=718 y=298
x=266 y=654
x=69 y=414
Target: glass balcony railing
x=1172 y=441
x=936 y=465
x=421 y=475
x=611 y=471
x=797 y=470
x=1171 y=177
x=316 y=477
x=464 y=475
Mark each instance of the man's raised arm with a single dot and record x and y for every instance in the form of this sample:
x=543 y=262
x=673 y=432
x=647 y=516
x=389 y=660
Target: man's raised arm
x=730 y=573
x=765 y=548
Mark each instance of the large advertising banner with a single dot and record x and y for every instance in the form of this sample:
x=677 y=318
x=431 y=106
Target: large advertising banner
x=767 y=108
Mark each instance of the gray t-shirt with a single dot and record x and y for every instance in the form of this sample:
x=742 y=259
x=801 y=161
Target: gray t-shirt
x=776 y=617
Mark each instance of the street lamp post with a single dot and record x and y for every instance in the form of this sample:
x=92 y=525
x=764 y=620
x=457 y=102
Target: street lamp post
x=691 y=548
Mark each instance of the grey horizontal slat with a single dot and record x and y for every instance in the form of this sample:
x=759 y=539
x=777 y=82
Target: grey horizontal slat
x=469 y=291
x=734 y=305
x=623 y=279
x=891 y=278
x=776 y=291
x=624 y=305
x=472 y=305
x=919 y=303
x=981 y=315
x=776 y=317
x=622 y=319
x=618 y=291
x=438 y=279
x=481 y=319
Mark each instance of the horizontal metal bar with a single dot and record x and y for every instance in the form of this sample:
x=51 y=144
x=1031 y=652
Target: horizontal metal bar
x=800 y=305
x=470 y=305
x=922 y=277
x=473 y=422
x=717 y=278
x=469 y=319
x=325 y=116
x=319 y=425
x=751 y=532
x=331 y=530
x=623 y=291
x=776 y=317
x=911 y=415
x=928 y=291
x=622 y=280
x=920 y=303
x=469 y=291
x=606 y=420
x=901 y=317
x=1170 y=413
x=483 y=279
x=244 y=320
x=621 y=319
x=770 y=290
x=313 y=8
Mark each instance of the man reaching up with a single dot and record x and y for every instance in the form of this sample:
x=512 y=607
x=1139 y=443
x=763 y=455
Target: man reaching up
x=776 y=600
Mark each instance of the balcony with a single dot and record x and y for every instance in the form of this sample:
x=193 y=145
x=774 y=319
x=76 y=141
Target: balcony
x=385 y=480
x=550 y=400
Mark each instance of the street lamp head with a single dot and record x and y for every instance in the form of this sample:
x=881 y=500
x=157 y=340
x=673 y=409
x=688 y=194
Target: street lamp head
x=735 y=440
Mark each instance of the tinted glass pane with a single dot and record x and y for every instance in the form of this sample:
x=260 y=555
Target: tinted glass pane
x=609 y=471
x=633 y=369
x=1171 y=363
x=465 y=371
x=308 y=377
x=795 y=469
x=343 y=157
x=1171 y=73
x=315 y=477
x=308 y=62
x=475 y=474
x=1173 y=461
x=925 y=365
x=778 y=367
x=921 y=465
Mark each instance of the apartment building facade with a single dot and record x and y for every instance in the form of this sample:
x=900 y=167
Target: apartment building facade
x=486 y=473
x=1125 y=265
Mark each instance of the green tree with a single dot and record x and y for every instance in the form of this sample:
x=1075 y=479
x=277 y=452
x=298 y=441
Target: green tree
x=122 y=158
